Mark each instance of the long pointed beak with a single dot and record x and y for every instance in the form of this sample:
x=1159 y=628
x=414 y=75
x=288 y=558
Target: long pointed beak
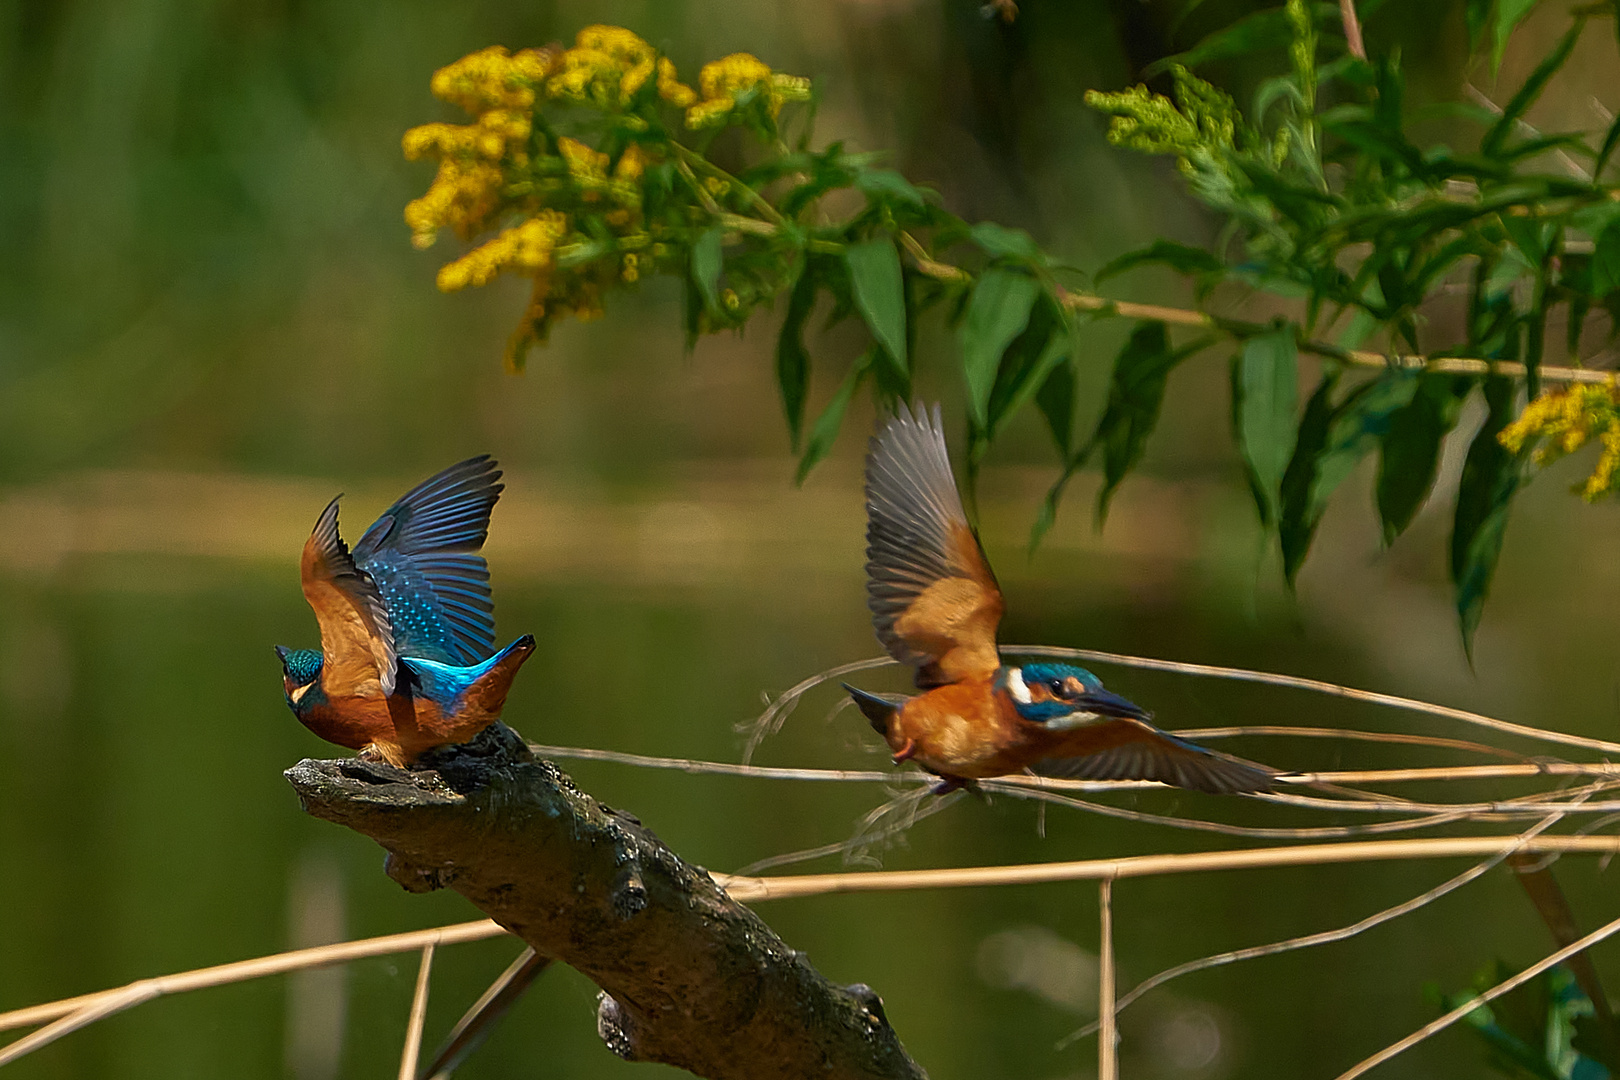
x=282 y=651
x=1111 y=704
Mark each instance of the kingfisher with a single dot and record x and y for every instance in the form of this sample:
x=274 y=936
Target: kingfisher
x=936 y=606
x=407 y=659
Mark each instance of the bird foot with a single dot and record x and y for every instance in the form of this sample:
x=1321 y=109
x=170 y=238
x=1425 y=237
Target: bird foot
x=948 y=784
x=906 y=752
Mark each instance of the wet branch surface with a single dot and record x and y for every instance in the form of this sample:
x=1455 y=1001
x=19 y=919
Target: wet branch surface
x=689 y=977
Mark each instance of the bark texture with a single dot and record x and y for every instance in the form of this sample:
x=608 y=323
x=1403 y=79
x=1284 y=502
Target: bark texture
x=689 y=977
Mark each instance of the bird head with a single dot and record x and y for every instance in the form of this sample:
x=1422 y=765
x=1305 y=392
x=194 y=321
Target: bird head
x=300 y=670
x=1062 y=696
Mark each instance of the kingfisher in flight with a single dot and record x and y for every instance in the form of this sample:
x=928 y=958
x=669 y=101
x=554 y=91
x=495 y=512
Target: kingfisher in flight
x=936 y=606
x=407 y=659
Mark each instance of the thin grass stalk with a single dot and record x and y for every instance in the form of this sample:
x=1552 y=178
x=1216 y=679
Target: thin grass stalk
x=752 y=890
x=478 y=1021
x=116 y=1002
x=1507 y=986
x=413 y=1029
x=1323 y=937
x=277 y=964
x=1107 y=1043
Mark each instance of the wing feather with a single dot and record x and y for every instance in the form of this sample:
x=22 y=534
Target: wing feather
x=935 y=603
x=357 y=638
x=421 y=552
x=1142 y=752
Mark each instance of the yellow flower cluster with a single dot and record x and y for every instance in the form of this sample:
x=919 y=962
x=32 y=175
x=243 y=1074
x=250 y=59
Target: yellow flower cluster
x=498 y=90
x=724 y=81
x=1567 y=419
x=608 y=66
x=527 y=248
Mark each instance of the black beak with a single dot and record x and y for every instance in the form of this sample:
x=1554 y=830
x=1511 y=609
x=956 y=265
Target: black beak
x=282 y=651
x=1109 y=704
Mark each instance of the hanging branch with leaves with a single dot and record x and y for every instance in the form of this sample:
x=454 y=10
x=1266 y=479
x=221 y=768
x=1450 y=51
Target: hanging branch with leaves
x=589 y=168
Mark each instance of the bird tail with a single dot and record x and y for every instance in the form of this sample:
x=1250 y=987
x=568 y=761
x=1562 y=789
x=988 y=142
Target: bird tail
x=877 y=710
x=495 y=680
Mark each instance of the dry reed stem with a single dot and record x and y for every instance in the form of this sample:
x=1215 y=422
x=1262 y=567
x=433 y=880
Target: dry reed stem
x=753 y=890
x=413 y=1029
x=476 y=1023
x=1473 y=1003
x=241 y=970
x=1107 y=1043
x=1321 y=937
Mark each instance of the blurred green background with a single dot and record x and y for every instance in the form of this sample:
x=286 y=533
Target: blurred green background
x=211 y=320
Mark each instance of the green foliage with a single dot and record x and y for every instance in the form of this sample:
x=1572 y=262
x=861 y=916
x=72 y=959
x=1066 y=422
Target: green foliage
x=606 y=172
x=1543 y=1030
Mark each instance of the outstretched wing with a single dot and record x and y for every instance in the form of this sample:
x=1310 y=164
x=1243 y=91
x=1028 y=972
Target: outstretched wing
x=422 y=554
x=935 y=603
x=1133 y=750
x=356 y=638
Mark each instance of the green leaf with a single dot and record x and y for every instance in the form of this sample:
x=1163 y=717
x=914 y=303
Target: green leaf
x=1135 y=395
x=1410 y=455
x=1265 y=392
x=1000 y=242
x=1477 y=16
x=1256 y=32
x=1610 y=140
x=880 y=296
x=1056 y=400
x=881 y=184
x=792 y=358
x=1509 y=14
x=1027 y=361
x=1332 y=441
x=825 y=430
x=1181 y=258
x=1496 y=138
x=707 y=262
x=1606 y=261
x=1491 y=476
x=997 y=313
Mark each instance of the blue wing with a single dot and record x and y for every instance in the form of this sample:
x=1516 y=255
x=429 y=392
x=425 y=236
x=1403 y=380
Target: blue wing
x=422 y=554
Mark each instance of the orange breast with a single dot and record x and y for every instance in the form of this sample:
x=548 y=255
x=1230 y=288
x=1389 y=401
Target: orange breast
x=967 y=730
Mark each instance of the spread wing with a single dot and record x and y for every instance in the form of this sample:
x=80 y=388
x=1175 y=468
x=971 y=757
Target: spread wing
x=356 y=639
x=422 y=554
x=1141 y=751
x=935 y=603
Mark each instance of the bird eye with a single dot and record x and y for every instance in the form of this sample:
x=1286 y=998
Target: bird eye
x=1055 y=685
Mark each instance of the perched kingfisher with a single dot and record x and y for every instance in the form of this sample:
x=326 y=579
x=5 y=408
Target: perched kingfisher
x=936 y=606
x=407 y=659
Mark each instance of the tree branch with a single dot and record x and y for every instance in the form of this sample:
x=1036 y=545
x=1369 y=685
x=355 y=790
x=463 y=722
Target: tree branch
x=689 y=976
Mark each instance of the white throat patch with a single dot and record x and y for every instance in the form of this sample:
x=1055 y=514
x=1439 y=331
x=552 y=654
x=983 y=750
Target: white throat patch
x=298 y=694
x=1017 y=687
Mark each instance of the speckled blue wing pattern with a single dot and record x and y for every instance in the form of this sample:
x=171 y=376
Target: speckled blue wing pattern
x=422 y=553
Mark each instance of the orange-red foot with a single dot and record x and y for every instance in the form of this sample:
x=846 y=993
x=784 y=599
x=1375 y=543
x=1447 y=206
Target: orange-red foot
x=906 y=752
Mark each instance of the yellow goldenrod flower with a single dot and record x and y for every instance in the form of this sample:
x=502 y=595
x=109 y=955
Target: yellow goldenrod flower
x=723 y=81
x=493 y=79
x=462 y=196
x=526 y=247
x=583 y=162
x=1568 y=418
x=632 y=163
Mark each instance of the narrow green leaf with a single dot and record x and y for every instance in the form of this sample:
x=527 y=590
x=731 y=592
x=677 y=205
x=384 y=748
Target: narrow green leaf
x=1027 y=361
x=707 y=262
x=1606 y=261
x=824 y=432
x=1528 y=234
x=1181 y=258
x=880 y=295
x=1056 y=399
x=1509 y=14
x=1257 y=32
x=997 y=313
x=1491 y=476
x=1496 y=138
x=1135 y=395
x=1611 y=139
x=1477 y=16
x=881 y=184
x=1000 y=242
x=1323 y=459
x=792 y=358
x=1410 y=455
x=1265 y=389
